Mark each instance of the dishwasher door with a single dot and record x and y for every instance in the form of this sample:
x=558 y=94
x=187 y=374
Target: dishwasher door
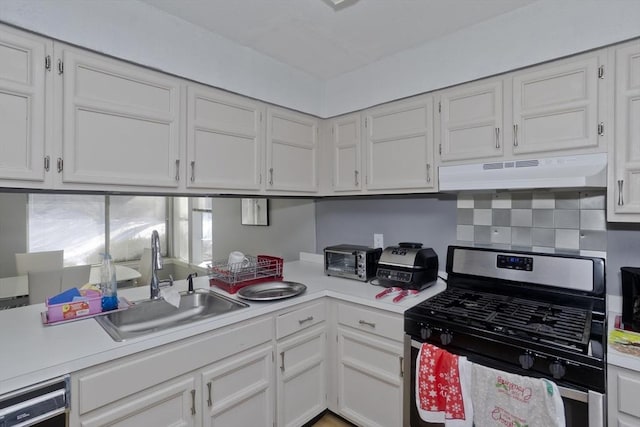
x=44 y=404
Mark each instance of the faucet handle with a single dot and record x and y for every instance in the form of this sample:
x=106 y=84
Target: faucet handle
x=190 y=281
x=167 y=282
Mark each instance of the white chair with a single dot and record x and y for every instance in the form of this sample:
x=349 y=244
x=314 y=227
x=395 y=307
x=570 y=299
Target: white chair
x=145 y=268
x=44 y=284
x=39 y=261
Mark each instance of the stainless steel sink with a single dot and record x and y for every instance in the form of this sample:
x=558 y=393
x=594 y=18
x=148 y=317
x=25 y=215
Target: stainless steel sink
x=149 y=316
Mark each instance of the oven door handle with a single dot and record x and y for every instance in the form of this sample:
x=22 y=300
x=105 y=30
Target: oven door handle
x=593 y=399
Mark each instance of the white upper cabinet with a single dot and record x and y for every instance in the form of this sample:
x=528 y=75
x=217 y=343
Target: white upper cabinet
x=399 y=145
x=292 y=151
x=470 y=122
x=556 y=106
x=225 y=138
x=22 y=105
x=120 y=122
x=623 y=196
x=347 y=153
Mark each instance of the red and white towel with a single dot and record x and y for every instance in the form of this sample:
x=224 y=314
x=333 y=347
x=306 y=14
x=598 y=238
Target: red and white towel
x=504 y=399
x=443 y=383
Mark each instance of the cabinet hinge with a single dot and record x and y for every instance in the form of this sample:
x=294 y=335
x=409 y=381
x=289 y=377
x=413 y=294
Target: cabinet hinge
x=47 y=63
x=260 y=116
x=60 y=66
x=439 y=107
x=601 y=72
x=366 y=122
x=601 y=129
x=440 y=149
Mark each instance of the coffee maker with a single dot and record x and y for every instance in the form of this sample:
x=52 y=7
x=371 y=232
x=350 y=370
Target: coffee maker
x=631 y=297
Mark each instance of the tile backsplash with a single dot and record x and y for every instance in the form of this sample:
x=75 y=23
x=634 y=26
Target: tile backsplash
x=538 y=221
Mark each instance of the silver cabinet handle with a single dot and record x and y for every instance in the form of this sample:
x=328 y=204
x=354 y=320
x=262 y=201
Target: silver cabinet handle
x=620 y=198
x=60 y=164
x=193 y=170
x=428 y=172
x=401 y=366
x=515 y=135
x=193 y=402
x=47 y=163
x=308 y=319
x=364 y=322
x=497 y=137
x=282 y=361
x=209 y=401
x=356 y=173
x=178 y=170
x=270 y=176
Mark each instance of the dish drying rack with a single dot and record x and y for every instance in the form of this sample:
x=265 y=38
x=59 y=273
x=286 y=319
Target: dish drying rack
x=232 y=277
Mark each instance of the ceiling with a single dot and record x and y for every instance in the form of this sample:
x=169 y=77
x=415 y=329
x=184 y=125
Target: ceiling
x=325 y=40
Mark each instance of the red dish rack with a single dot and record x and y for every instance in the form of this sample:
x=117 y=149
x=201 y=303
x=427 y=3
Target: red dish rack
x=258 y=269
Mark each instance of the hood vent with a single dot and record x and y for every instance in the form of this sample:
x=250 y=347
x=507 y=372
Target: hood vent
x=580 y=171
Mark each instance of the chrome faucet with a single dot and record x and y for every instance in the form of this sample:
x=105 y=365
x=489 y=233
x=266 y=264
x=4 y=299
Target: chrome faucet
x=156 y=264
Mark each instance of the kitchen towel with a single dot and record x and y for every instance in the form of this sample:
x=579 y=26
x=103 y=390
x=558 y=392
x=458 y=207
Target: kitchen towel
x=503 y=399
x=443 y=387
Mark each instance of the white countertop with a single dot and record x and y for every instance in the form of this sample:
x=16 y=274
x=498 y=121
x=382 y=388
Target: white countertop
x=32 y=352
x=617 y=358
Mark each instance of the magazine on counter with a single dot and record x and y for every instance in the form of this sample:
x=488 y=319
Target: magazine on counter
x=623 y=339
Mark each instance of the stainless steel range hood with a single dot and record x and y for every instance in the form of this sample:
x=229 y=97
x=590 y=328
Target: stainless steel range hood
x=579 y=171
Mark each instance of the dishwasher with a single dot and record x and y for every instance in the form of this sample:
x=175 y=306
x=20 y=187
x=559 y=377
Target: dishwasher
x=45 y=404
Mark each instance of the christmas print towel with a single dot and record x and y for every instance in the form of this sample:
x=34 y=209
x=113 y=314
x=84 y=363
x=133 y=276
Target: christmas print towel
x=504 y=399
x=443 y=387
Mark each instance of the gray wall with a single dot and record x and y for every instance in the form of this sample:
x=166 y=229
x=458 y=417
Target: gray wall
x=13 y=230
x=291 y=230
x=428 y=219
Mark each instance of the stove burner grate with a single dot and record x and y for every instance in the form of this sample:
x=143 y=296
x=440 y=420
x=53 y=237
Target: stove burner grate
x=568 y=327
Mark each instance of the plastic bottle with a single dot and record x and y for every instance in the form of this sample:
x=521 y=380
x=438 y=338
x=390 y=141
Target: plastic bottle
x=108 y=285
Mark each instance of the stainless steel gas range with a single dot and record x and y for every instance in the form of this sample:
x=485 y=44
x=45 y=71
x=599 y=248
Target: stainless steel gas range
x=533 y=314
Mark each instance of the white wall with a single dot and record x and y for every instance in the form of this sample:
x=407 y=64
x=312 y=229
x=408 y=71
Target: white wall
x=291 y=229
x=135 y=31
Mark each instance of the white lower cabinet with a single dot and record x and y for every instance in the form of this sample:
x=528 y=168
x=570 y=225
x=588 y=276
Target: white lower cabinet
x=623 y=388
x=302 y=367
x=370 y=366
x=238 y=391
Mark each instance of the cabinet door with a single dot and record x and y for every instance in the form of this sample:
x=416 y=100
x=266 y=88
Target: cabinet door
x=238 y=391
x=292 y=151
x=471 y=122
x=170 y=404
x=347 y=158
x=22 y=105
x=224 y=140
x=624 y=156
x=399 y=145
x=555 y=107
x=121 y=122
x=623 y=386
x=301 y=377
x=369 y=366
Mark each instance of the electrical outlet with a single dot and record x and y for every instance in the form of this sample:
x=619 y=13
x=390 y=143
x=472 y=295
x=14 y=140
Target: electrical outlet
x=378 y=240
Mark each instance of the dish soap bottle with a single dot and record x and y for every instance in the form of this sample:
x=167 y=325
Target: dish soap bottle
x=108 y=285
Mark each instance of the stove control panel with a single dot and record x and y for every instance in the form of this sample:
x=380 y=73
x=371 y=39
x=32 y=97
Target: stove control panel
x=513 y=262
x=396 y=276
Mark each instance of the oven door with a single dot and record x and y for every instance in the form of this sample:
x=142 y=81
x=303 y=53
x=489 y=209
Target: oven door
x=342 y=264
x=582 y=409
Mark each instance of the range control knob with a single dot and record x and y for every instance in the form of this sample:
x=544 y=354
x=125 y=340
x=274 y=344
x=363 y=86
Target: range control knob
x=425 y=332
x=446 y=337
x=526 y=360
x=557 y=369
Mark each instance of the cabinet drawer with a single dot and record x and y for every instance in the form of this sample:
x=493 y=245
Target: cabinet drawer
x=299 y=319
x=372 y=321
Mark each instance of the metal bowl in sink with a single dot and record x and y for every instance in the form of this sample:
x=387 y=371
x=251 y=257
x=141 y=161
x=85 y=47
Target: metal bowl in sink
x=149 y=316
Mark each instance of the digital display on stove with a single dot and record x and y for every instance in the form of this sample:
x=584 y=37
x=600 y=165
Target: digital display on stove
x=515 y=262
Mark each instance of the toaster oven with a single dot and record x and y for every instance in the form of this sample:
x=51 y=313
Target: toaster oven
x=351 y=261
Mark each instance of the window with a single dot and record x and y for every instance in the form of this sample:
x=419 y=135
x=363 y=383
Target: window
x=193 y=217
x=85 y=225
